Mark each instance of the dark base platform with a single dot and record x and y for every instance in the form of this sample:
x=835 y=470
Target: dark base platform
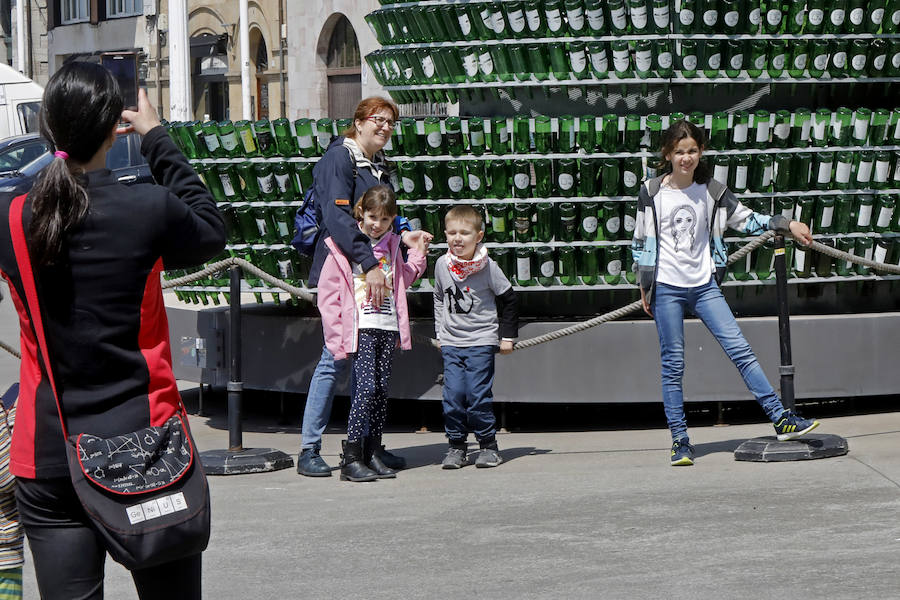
x=248 y=460
x=769 y=449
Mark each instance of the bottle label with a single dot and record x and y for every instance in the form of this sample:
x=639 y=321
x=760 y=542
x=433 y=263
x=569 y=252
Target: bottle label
x=465 y=26
x=686 y=17
x=455 y=183
x=504 y=135
x=474 y=182
x=740 y=177
x=800 y=62
x=470 y=64
x=842 y=172
x=613 y=224
x=762 y=131
x=486 y=63
x=710 y=17
x=800 y=260
x=247 y=140
x=227 y=187
x=578 y=60
x=621 y=60
x=816 y=16
x=639 y=16
x=782 y=131
x=804 y=130
x=554 y=20
x=533 y=18
x=589 y=224
x=629 y=179
x=798 y=19
x=819 y=129
x=882 y=168
x=827 y=215
x=517 y=21
x=860 y=130
x=415 y=224
x=643 y=60
x=877 y=16
x=599 y=61
x=760 y=62
x=661 y=17
x=766 y=176
x=522 y=181
x=858 y=62
x=714 y=61
x=282 y=182
x=498 y=22
x=737 y=61
x=266 y=183
x=476 y=138
x=878 y=62
x=740 y=132
x=880 y=254
x=285 y=268
x=689 y=62
x=629 y=223
x=857 y=15
x=261 y=226
x=839 y=60
x=429 y=183
x=720 y=173
x=895 y=61
x=434 y=139
x=212 y=142
x=230 y=141
x=498 y=223
x=664 y=60
x=408 y=185
x=566 y=181
x=428 y=65
x=731 y=18
x=487 y=18
x=618 y=17
x=595 y=19
x=324 y=138
x=824 y=174
x=548 y=268
x=773 y=17
x=864 y=171
x=575 y=18
x=836 y=129
x=755 y=17
x=865 y=215
x=778 y=62
x=837 y=16
x=820 y=62
x=884 y=218
x=523 y=268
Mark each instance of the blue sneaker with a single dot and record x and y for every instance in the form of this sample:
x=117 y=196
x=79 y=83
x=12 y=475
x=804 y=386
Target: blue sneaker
x=682 y=453
x=791 y=426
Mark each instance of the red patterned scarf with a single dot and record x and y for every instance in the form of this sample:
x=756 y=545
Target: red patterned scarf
x=460 y=268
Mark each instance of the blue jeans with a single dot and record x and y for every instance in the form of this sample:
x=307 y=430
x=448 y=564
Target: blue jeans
x=319 y=398
x=707 y=302
x=468 y=396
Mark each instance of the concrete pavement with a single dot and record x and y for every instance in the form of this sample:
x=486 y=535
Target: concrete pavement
x=569 y=515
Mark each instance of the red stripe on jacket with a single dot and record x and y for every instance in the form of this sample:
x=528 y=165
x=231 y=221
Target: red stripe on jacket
x=153 y=340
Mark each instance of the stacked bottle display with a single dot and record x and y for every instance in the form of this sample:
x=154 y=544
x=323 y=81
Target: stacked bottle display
x=537 y=42
x=559 y=194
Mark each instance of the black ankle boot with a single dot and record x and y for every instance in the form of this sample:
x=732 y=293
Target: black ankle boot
x=391 y=461
x=352 y=466
x=371 y=445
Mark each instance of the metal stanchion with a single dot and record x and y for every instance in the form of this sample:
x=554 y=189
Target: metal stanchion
x=768 y=448
x=236 y=459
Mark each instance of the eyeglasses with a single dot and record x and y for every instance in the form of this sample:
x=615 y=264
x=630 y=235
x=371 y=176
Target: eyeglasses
x=382 y=121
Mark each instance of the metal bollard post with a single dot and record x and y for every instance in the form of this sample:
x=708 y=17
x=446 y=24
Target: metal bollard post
x=786 y=369
x=235 y=383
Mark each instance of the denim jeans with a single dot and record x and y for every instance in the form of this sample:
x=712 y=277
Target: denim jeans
x=707 y=302
x=468 y=392
x=319 y=398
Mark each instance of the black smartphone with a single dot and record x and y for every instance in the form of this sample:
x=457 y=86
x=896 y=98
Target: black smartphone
x=123 y=66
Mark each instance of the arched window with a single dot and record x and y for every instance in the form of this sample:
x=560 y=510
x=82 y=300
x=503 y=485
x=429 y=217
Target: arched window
x=343 y=70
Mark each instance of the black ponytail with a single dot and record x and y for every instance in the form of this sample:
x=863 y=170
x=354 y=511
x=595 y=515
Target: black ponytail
x=80 y=108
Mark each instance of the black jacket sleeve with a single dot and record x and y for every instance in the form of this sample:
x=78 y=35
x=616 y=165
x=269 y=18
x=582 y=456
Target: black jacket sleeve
x=508 y=314
x=194 y=231
x=334 y=188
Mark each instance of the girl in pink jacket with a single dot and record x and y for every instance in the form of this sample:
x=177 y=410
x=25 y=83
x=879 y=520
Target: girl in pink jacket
x=369 y=326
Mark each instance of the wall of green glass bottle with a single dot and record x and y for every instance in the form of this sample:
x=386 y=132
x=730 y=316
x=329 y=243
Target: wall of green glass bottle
x=541 y=42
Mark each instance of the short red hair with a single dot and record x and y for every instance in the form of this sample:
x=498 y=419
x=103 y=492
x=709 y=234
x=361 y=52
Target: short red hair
x=368 y=107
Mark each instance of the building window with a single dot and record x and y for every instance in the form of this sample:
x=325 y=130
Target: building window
x=124 y=8
x=75 y=11
x=343 y=70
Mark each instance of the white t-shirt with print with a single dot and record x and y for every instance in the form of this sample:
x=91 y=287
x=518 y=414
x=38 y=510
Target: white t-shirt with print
x=684 y=256
x=371 y=316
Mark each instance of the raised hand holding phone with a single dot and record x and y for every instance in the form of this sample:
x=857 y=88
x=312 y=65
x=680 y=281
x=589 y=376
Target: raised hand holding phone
x=142 y=120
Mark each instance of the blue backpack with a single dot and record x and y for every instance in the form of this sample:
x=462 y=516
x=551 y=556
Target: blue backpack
x=306 y=225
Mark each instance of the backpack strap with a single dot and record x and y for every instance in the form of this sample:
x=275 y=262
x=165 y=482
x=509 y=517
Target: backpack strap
x=716 y=189
x=653 y=185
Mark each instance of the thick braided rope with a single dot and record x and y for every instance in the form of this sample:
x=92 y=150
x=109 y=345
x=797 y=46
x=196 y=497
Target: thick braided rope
x=860 y=260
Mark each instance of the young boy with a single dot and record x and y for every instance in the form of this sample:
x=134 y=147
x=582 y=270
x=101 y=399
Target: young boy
x=474 y=311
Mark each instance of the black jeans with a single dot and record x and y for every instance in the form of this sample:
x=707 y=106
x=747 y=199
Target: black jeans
x=69 y=556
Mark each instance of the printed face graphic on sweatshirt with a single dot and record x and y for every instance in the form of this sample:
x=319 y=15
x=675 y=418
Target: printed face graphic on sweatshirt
x=683 y=225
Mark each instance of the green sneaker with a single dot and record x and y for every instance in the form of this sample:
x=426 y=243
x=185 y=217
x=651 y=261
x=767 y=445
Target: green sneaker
x=682 y=453
x=791 y=426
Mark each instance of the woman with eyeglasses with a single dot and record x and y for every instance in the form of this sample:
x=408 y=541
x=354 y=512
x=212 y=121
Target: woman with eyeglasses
x=352 y=164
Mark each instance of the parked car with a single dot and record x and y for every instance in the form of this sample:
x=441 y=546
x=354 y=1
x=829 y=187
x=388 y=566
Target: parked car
x=22 y=157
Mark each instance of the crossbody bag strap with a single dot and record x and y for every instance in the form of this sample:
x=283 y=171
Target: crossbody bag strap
x=26 y=274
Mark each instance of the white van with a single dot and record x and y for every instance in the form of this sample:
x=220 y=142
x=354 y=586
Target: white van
x=20 y=102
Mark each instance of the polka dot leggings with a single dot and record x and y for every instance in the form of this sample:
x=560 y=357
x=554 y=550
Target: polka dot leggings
x=372 y=372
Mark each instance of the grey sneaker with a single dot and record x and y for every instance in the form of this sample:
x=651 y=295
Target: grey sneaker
x=456 y=459
x=488 y=457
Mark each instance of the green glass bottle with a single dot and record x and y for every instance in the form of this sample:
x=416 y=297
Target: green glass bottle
x=265 y=181
x=195 y=131
x=522 y=219
x=633 y=133
x=688 y=59
x=285 y=142
x=613 y=260
x=861 y=120
x=685 y=18
x=643 y=59
x=188 y=142
x=841 y=127
x=609 y=133
x=568 y=222
x=842 y=170
x=589 y=221
x=820 y=51
x=781 y=130
x=575 y=18
x=820 y=127
x=304 y=133
x=777 y=58
x=589 y=264
x=578 y=60
x=412 y=185
x=588 y=174
x=884 y=209
x=287 y=186
x=587 y=134
x=521 y=134
x=249 y=186
x=653 y=125
x=499 y=173
x=661 y=17
x=543 y=178
x=712 y=58
x=838 y=66
x=734 y=58
x=815 y=18
x=836 y=17
x=762 y=121
x=534 y=19
x=543 y=135
x=433 y=222
x=799 y=58
x=773 y=22
x=821 y=169
x=521 y=179
x=740 y=128
x=639 y=16
x=211 y=140
x=565 y=177
x=476 y=178
x=303 y=172
x=874 y=16
x=740 y=174
x=454 y=137
x=709 y=16
x=324 y=133
x=662 y=58
x=499 y=136
x=596 y=20
x=722 y=168
x=499 y=223
x=567 y=134
x=612 y=221
x=621 y=58
x=609 y=177
x=758 y=50
x=515 y=18
x=264 y=138
x=859 y=56
x=783 y=172
x=800 y=128
x=545 y=259
x=843 y=210
x=864 y=248
x=544 y=222
x=618 y=17
x=434 y=139
x=506 y=260
x=486 y=68
x=865 y=205
x=524 y=260
x=761 y=172
x=796 y=16
x=553 y=13
x=882 y=170
x=877 y=58
x=599 y=59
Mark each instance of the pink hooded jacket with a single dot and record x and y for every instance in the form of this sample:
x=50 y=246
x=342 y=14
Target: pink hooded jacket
x=337 y=304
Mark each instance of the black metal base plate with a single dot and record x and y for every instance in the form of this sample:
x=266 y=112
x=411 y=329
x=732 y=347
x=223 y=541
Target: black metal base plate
x=248 y=460
x=769 y=449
